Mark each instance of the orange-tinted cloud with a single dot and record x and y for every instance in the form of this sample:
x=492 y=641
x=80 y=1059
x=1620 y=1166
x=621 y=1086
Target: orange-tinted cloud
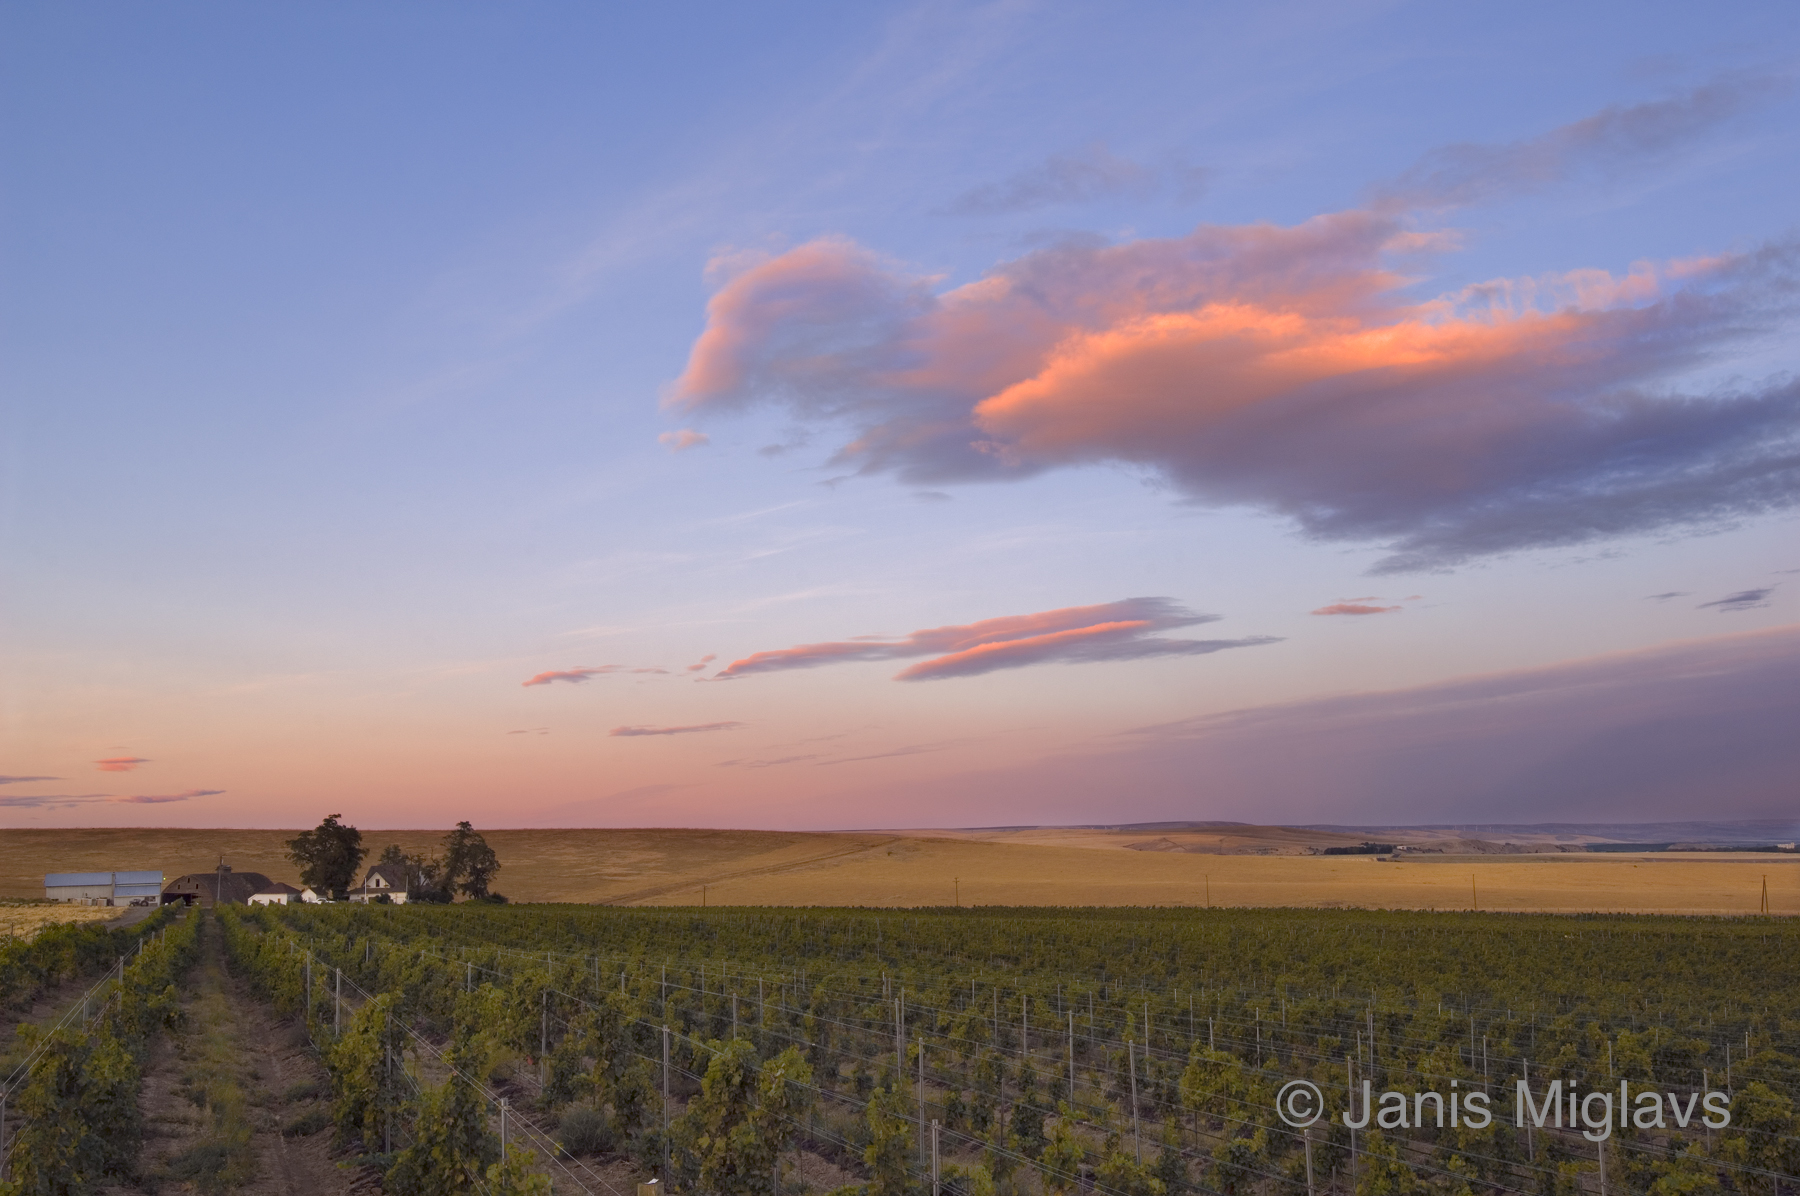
x=571 y=675
x=1287 y=369
x=686 y=438
x=702 y=663
x=1110 y=631
x=1354 y=608
x=629 y=732
x=120 y=763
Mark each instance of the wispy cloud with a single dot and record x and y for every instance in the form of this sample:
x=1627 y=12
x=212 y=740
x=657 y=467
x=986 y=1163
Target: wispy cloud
x=120 y=763
x=25 y=780
x=776 y=762
x=1665 y=597
x=571 y=675
x=1289 y=369
x=157 y=799
x=702 y=663
x=1110 y=631
x=1083 y=176
x=1742 y=600
x=629 y=732
x=1355 y=608
x=1615 y=139
x=40 y=800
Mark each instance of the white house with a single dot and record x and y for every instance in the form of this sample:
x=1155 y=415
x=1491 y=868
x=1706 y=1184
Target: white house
x=312 y=896
x=103 y=888
x=383 y=880
x=278 y=893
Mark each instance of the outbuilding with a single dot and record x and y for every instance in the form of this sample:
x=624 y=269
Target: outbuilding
x=103 y=888
x=279 y=893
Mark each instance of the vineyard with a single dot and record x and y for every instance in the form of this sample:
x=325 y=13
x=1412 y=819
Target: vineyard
x=757 y=1052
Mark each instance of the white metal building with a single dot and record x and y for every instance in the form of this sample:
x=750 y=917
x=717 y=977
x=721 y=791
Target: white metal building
x=103 y=888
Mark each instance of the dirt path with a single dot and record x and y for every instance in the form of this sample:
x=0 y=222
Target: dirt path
x=219 y=1091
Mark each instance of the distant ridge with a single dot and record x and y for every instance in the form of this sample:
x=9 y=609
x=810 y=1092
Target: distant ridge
x=1742 y=831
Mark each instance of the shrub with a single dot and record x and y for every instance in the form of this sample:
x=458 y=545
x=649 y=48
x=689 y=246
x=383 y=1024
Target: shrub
x=583 y=1131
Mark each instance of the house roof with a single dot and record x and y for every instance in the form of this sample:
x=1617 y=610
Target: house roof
x=393 y=876
x=278 y=887
x=236 y=886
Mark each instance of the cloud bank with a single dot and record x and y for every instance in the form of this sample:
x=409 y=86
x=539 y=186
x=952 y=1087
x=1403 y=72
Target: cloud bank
x=1286 y=369
x=1705 y=725
x=1110 y=631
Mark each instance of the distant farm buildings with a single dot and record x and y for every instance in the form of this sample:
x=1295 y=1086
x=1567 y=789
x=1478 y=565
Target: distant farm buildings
x=103 y=888
x=279 y=893
x=383 y=880
x=221 y=886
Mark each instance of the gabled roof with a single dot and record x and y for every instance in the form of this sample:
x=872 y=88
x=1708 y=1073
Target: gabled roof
x=278 y=887
x=393 y=876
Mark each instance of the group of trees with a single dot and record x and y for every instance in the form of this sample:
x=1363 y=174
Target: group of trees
x=330 y=855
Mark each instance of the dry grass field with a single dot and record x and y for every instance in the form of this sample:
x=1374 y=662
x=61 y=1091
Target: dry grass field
x=688 y=867
x=23 y=921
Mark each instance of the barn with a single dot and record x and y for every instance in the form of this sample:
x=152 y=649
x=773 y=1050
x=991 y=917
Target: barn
x=219 y=886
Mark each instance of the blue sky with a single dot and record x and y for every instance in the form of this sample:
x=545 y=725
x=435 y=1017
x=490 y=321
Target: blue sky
x=339 y=341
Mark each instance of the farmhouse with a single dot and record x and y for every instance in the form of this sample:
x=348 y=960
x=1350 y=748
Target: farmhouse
x=103 y=888
x=278 y=893
x=383 y=880
x=221 y=886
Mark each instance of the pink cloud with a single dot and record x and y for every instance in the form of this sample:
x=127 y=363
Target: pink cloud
x=704 y=661
x=1287 y=369
x=1354 y=608
x=151 y=799
x=120 y=763
x=570 y=675
x=629 y=732
x=687 y=438
x=1110 y=631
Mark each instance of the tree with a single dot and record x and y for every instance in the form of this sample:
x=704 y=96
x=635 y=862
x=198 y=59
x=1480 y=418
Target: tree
x=469 y=863
x=424 y=875
x=328 y=856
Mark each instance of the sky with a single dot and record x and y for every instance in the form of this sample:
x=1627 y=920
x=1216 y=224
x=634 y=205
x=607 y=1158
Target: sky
x=816 y=416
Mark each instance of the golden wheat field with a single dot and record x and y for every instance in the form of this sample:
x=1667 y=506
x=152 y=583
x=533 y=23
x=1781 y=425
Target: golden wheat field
x=725 y=867
x=23 y=921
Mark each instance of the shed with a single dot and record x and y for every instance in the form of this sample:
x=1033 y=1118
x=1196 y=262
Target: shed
x=278 y=893
x=102 y=888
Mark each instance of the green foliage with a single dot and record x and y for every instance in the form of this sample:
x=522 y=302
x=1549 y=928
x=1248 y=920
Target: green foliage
x=735 y=1129
x=328 y=856
x=889 y=1152
x=1120 y=1172
x=1383 y=1171
x=1063 y=1154
x=78 y=1123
